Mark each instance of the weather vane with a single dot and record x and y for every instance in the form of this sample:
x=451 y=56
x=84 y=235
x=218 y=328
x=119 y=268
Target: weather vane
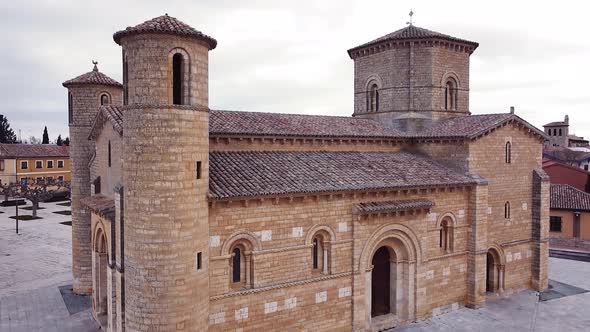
x=410 y=22
x=95 y=63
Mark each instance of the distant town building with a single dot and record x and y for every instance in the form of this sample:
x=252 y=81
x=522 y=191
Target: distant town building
x=558 y=135
x=577 y=157
x=32 y=162
x=560 y=173
x=569 y=221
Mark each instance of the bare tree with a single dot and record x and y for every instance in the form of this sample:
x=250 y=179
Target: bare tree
x=39 y=191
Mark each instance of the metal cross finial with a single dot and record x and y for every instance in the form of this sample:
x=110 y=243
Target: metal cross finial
x=411 y=14
x=95 y=67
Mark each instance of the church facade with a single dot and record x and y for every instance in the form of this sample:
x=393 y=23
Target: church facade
x=192 y=219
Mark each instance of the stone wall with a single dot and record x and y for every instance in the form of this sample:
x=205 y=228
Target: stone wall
x=86 y=101
x=110 y=176
x=166 y=218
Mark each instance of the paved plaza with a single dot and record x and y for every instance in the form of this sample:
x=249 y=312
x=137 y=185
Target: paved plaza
x=35 y=263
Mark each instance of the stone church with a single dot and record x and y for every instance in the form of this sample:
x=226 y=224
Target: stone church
x=192 y=219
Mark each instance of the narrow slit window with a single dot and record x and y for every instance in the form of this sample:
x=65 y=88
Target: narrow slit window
x=70 y=108
x=315 y=253
x=507 y=210
x=508 y=153
x=104 y=99
x=109 y=153
x=199 y=261
x=198 y=169
x=125 y=81
x=177 y=79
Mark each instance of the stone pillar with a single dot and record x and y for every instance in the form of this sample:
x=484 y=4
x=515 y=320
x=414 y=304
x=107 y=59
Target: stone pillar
x=118 y=261
x=84 y=102
x=166 y=218
x=540 y=230
x=477 y=245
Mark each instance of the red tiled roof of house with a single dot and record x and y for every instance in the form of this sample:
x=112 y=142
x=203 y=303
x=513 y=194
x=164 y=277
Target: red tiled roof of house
x=165 y=25
x=412 y=32
x=12 y=151
x=566 y=197
x=245 y=174
x=556 y=123
x=394 y=206
x=298 y=125
x=92 y=77
x=102 y=205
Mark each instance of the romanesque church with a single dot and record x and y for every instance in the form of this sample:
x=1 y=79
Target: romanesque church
x=187 y=218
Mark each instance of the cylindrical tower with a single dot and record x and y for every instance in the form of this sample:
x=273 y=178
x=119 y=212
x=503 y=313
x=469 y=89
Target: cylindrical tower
x=165 y=172
x=86 y=93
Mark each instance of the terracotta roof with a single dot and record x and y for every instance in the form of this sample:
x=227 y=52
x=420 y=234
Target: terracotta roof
x=93 y=77
x=33 y=151
x=237 y=123
x=299 y=125
x=472 y=126
x=165 y=25
x=576 y=138
x=394 y=206
x=566 y=155
x=244 y=174
x=412 y=32
x=557 y=123
x=102 y=205
x=566 y=197
x=110 y=113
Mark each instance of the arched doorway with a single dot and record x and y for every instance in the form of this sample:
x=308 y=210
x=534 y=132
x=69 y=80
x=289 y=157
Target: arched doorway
x=494 y=272
x=100 y=277
x=381 y=285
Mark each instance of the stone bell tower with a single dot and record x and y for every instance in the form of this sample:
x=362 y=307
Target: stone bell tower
x=86 y=93
x=165 y=172
x=412 y=77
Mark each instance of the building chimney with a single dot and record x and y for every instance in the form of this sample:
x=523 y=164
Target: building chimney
x=567 y=119
x=511 y=109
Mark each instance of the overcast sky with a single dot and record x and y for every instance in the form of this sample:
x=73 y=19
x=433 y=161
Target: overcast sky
x=291 y=58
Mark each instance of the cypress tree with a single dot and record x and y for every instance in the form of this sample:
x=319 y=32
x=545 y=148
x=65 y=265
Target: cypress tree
x=45 y=136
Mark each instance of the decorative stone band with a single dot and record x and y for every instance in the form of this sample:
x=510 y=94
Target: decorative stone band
x=281 y=285
x=393 y=206
x=101 y=205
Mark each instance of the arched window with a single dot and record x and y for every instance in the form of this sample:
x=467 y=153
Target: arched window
x=177 y=96
x=507 y=210
x=560 y=132
x=508 y=153
x=104 y=99
x=70 y=108
x=374 y=98
x=451 y=95
x=236 y=265
x=320 y=253
x=446 y=237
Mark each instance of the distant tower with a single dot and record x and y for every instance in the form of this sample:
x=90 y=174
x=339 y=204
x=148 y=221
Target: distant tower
x=165 y=172
x=412 y=77
x=558 y=133
x=86 y=93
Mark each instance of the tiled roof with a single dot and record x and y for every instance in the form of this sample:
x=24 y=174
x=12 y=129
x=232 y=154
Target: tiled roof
x=165 y=25
x=471 y=126
x=110 y=113
x=576 y=138
x=234 y=123
x=413 y=32
x=566 y=197
x=102 y=205
x=557 y=123
x=393 y=206
x=33 y=151
x=300 y=125
x=244 y=174
x=93 y=77
x=566 y=155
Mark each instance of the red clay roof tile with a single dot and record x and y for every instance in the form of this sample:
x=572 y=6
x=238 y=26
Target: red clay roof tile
x=566 y=197
x=92 y=77
x=165 y=25
x=33 y=150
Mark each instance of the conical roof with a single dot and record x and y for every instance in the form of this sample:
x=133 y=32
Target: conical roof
x=93 y=77
x=412 y=32
x=165 y=25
